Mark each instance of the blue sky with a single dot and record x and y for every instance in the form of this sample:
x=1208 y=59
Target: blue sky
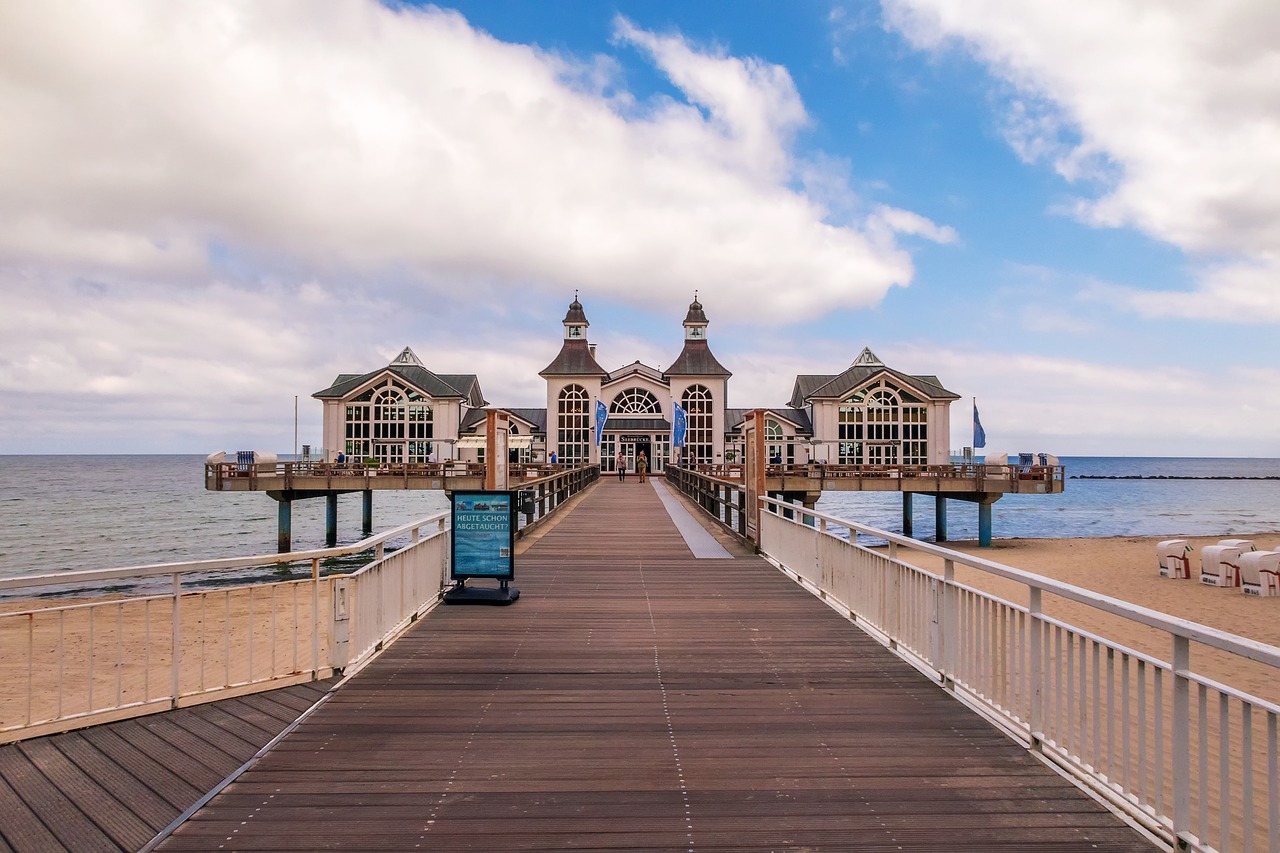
x=1067 y=213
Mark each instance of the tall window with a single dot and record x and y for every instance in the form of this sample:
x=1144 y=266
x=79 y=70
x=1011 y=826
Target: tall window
x=635 y=401
x=573 y=435
x=773 y=441
x=698 y=446
x=884 y=425
x=391 y=423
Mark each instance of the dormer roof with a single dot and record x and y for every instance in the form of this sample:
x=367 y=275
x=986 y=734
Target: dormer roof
x=409 y=370
x=865 y=368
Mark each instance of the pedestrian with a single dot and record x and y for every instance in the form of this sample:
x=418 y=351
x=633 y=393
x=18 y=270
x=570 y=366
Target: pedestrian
x=553 y=457
x=642 y=467
x=622 y=467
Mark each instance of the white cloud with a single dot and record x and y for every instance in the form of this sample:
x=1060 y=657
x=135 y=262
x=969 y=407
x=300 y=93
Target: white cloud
x=1077 y=407
x=350 y=136
x=1172 y=109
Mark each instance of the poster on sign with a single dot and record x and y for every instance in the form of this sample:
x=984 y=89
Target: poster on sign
x=484 y=535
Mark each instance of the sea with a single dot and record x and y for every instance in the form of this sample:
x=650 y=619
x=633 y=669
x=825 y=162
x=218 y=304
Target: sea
x=63 y=513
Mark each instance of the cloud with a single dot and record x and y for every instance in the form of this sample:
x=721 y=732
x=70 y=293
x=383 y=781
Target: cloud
x=357 y=138
x=1079 y=407
x=1170 y=112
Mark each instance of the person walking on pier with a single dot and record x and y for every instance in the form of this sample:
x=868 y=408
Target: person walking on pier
x=642 y=467
x=622 y=467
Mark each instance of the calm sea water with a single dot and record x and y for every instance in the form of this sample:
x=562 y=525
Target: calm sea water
x=1095 y=508
x=59 y=513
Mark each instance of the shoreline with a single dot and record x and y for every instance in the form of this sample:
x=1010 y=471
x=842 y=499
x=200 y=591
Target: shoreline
x=1121 y=567
x=1126 y=568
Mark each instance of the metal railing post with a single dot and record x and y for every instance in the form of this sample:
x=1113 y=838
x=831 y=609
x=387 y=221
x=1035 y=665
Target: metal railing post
x=177 y=639
x=1035 y=723
x=1181 y=739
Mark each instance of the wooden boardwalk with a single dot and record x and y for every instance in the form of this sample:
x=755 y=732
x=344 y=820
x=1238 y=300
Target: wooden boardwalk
x=638 y=698
x=114 y=787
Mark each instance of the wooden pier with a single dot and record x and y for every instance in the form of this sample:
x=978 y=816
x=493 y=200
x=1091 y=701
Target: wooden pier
x=638 y=697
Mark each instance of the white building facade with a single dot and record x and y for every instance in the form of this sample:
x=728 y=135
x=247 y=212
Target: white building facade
x=869 y=414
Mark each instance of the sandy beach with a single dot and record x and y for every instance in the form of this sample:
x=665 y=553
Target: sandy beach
x=1126 y=568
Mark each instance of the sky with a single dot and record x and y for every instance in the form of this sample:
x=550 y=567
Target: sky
x=1068 y=212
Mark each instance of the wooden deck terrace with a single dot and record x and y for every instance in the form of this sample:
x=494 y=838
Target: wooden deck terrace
x=969 y=481
x=113 y=787
x=638 y=698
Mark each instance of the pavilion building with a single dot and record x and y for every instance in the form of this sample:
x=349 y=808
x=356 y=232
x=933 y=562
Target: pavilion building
x=868 y=414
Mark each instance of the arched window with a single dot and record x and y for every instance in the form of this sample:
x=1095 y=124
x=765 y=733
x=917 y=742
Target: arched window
x=699 y=433
x=883 y=424
x=573 y=438
x=773 y=441
x=635 y=401
x=391 y=423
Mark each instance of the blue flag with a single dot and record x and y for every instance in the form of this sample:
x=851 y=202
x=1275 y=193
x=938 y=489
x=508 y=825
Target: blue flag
x=602 y=415
x=679 y=423
x=979 y=434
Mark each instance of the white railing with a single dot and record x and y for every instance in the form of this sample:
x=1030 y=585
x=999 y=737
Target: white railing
x=109 y=656
x=1193 y=761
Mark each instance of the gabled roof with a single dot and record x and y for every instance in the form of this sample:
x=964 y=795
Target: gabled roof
x=535 y=419
x=636 y=368
x=734 y=418
x=861 y=373
x=574 y=359
x=463 y=386
x=468 y=385
x=696 y=360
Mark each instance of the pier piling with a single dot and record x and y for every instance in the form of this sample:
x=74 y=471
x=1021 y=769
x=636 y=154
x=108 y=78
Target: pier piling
x=284 y=525
x=907 y=515
x=940 y=519
x=331 y=519
x=366 y=515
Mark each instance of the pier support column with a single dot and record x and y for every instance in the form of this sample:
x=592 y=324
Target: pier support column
x=366 y=515
x=284 y=526
x=331 y=519
x=907 y=515
x=984 y=525
x=940 y=519
x=810 y=502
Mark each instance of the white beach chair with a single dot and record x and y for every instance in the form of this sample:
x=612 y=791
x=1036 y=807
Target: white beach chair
x=1220 y=565
x=1243 y=544
x=1175 y=561
x=1260 y=573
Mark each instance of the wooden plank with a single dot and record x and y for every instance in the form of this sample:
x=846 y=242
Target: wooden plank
x=156 y=763
x=638 y=697
x=60 y=816
x=140 y=799
x=20 y=827
x=108 y=813
x=130 y=779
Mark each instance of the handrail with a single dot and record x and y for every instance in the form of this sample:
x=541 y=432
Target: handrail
x=1205 y=634
x=1190 y=758
x=158 y=569
x=834 y=470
